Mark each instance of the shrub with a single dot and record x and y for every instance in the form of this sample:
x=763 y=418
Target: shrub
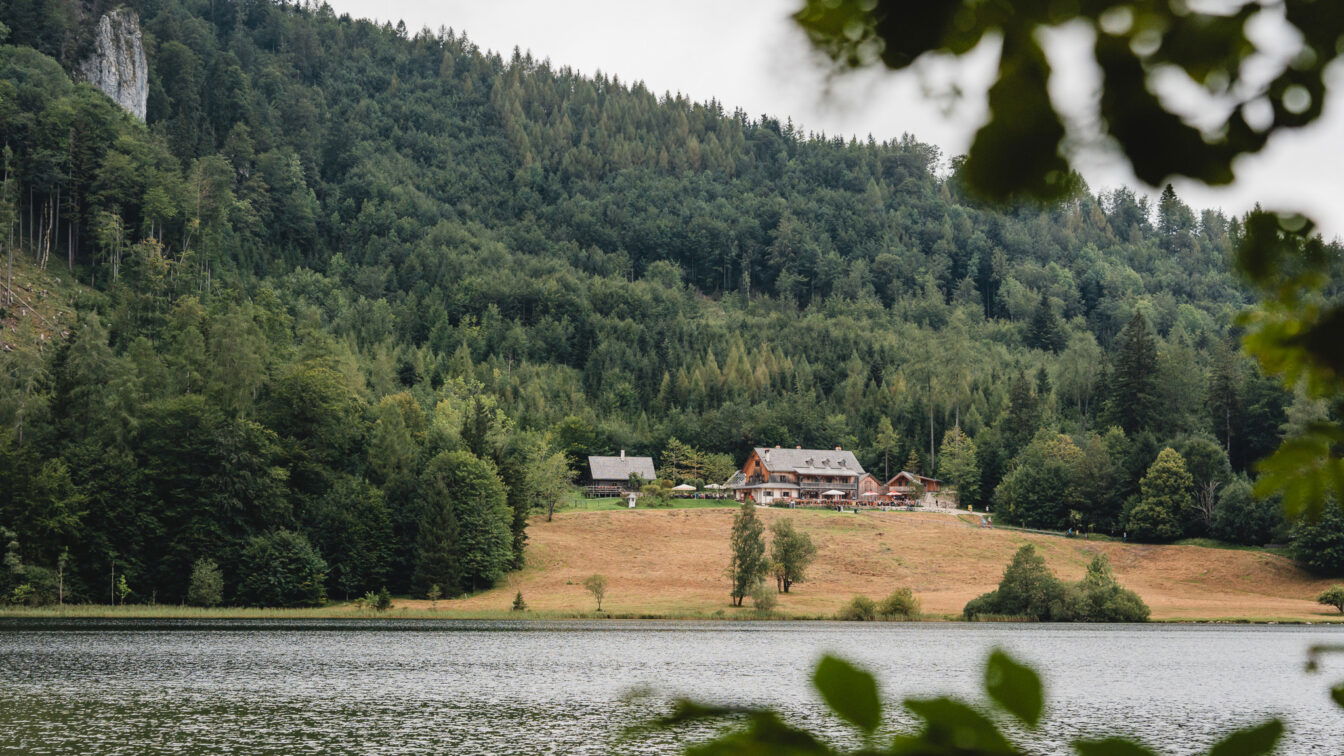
x=1333 y=596
x=901 y=604
x=763 y=599
x=518 y=604
x=859 y=609
x=206 y=587
x=1098 y=597
x=382 y=600
x=1240 y=517
x=1319 y=546
x=1030 y=590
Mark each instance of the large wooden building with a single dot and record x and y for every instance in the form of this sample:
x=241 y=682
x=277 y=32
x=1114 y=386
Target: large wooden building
x=772 y=474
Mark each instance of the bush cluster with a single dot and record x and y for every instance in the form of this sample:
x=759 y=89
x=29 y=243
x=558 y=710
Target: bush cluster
x=1030 y=591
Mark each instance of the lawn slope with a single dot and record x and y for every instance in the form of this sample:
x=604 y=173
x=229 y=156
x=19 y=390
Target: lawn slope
x=671 y=562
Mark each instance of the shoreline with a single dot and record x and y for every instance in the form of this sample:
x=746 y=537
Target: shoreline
x=347 y=612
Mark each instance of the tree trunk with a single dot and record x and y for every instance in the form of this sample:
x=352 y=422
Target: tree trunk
x=931 y=468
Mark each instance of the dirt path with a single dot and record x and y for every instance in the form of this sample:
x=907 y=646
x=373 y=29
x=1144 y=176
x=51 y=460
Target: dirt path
x=673 y=561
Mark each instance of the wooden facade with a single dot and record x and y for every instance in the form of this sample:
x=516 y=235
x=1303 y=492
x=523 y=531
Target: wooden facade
x=907 y=483
x=868 y=483
x=777 y=474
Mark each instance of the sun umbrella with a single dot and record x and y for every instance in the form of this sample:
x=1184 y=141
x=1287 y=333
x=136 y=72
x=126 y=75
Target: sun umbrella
x=833 y=492
x=870 y=493
x=684 y=487
x=714 y=486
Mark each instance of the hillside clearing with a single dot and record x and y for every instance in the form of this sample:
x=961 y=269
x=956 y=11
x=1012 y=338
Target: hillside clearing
x=671 y=562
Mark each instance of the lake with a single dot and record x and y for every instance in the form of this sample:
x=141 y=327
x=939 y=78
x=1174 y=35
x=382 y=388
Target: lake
x=389 y=687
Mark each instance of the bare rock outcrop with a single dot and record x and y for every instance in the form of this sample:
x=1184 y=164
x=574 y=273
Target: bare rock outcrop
x=118 y=66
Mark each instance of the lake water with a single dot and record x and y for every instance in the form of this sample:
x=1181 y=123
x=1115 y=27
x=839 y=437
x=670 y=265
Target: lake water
x=95 y=687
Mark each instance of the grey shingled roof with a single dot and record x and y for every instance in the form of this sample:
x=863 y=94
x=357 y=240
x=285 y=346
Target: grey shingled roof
x=811 y=461
x=913 y=475
x=619 y=468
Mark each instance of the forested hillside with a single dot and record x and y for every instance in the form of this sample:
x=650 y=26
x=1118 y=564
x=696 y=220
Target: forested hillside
x=360 y=288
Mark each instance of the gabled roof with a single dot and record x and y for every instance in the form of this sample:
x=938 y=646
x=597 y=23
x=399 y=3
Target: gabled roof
x=619 y=468
x=909 y=474
x=811 y=461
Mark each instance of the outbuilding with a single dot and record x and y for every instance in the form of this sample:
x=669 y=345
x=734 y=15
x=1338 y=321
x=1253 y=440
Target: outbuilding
x=610 y=476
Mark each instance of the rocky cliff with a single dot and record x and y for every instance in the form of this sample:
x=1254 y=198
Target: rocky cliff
x=117 y=65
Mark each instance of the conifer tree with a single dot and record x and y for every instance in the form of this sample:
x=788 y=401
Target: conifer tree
x=912 y=462
x=748 y=565
x=1165 y=499
x=1045 y=331
x=1132 y=404
x=1175 y=222
x=436 y=569
x=886 y=443
x=959 y=467
x=1225 y=399
x=1023 y=416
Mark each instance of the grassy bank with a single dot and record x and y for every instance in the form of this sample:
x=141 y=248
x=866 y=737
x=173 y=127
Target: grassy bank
x=401 y=612
x=669 y=564
x=351 y=612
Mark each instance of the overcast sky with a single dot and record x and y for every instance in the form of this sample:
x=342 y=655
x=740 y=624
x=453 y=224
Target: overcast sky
x=748 y=54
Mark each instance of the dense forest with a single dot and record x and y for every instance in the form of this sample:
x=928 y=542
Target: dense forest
x=357 y=301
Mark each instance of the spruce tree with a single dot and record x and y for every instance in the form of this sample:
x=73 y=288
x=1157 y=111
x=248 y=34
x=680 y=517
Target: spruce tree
x=436 y=568
x=912 y=462
x=1045 y=331
x=1225 y=400
x=1175 y=222
x=1132 y=404
x=1023 y=416
x=748 y=565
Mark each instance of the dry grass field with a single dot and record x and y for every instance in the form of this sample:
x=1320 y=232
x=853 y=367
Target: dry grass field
x=672 y=562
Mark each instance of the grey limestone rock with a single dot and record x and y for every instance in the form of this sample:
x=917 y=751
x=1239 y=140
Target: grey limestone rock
x=118 y=66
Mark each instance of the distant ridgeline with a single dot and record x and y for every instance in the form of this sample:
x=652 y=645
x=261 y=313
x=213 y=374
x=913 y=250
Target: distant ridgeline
x=344 y=281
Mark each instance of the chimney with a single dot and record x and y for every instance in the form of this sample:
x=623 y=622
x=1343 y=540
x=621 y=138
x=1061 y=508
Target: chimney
x=622 y=453
x=798 y=446
x=838 y=449
x=776 y=446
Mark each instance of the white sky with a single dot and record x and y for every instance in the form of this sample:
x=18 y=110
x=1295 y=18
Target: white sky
x=748 y=54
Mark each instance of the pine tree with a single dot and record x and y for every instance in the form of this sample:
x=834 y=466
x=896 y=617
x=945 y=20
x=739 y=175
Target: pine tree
x=1132 y=404
x=748 y=565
